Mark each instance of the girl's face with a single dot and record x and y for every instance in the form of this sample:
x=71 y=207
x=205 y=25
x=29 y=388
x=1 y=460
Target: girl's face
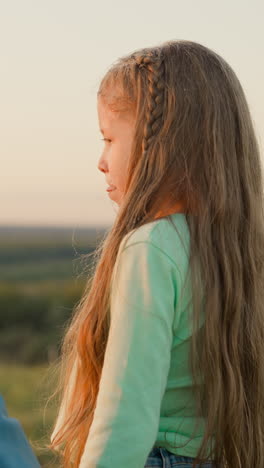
x=117 y=132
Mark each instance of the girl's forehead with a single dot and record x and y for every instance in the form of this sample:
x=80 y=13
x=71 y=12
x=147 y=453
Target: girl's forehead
x=106 y=116
x=116 y=102
x=109 y=100
x=113 y=116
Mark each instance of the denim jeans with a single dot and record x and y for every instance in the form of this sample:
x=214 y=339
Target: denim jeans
x=160 y=457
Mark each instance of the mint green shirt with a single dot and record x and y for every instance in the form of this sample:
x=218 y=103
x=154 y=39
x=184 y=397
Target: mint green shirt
x=145 y=386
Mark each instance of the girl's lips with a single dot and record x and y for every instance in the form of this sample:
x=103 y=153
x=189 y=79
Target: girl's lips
x=110 y=188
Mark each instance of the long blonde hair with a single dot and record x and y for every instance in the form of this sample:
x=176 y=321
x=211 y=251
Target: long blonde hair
x=194 y=141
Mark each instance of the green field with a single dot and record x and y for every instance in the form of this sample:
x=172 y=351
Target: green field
x=25 y=391
x=42 y=275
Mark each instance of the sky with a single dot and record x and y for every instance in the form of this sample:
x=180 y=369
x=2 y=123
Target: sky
x=54 y=54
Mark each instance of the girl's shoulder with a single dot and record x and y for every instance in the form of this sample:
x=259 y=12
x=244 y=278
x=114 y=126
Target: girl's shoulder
x=170 y=234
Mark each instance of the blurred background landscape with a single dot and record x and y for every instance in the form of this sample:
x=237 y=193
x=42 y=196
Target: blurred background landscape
x=42 y=274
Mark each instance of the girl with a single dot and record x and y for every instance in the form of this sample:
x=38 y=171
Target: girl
x=162 y=364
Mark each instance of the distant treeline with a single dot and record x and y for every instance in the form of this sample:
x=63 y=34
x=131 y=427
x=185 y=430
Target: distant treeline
x=37 y=253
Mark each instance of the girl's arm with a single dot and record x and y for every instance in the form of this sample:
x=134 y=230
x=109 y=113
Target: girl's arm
x=137 y=360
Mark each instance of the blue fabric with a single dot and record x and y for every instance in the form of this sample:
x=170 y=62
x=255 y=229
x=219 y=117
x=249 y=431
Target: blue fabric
x=15 y=450
x=160 y=457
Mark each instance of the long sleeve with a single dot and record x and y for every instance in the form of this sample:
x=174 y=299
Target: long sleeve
x=137 y=359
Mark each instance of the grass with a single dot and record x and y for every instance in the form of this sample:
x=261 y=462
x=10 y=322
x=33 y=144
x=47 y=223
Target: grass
x=25 y=391
x=42 y=274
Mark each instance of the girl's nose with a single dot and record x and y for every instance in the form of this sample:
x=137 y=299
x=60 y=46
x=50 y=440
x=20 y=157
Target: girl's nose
x=102 y=165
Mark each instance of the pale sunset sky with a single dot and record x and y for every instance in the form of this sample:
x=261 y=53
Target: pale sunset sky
x=53 y=55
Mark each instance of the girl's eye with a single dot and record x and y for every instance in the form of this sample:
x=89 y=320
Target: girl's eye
x=106 y=139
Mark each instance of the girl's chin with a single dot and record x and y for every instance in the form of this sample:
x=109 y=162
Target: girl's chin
x=113 y=194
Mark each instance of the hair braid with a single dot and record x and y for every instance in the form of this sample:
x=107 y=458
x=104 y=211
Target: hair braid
x=154 y=64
